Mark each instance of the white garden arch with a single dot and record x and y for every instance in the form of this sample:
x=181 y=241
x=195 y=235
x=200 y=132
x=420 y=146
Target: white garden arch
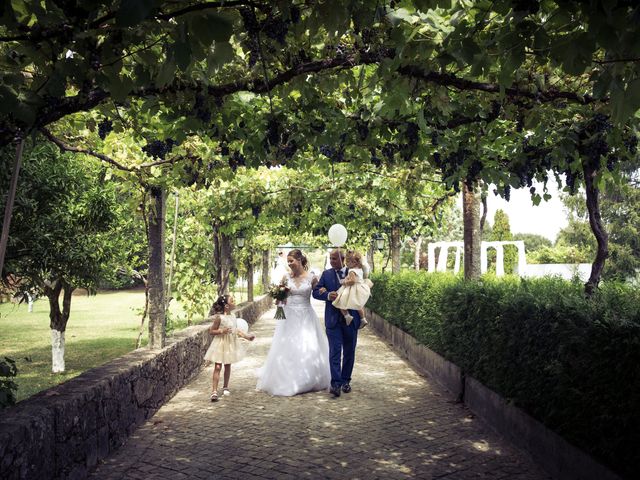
x=441 y=266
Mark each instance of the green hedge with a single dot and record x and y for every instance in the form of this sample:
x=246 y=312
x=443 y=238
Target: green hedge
x=572 y=363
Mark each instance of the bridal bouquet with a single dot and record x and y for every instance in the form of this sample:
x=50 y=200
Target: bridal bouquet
x=279 y=292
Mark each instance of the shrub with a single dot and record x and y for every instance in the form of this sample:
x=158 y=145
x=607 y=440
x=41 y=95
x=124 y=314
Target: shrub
x=573 y=363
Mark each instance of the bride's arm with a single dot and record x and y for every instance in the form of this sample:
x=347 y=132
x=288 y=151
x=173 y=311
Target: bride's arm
x=319 y=289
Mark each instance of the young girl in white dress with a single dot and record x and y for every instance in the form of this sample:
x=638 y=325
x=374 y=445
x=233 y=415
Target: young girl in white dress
x=225 y=347
x=355 y=289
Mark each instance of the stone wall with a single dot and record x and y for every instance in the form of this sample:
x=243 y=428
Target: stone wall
x=64 y=431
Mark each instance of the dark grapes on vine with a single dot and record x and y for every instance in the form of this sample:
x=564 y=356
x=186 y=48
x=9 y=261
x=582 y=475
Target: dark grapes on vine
x=158 y=148
x=104 y=127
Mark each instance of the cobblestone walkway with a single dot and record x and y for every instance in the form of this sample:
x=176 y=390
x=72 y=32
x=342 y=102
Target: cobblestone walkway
x=395 y=424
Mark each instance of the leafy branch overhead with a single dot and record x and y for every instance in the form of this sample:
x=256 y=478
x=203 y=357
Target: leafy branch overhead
x=491 y=91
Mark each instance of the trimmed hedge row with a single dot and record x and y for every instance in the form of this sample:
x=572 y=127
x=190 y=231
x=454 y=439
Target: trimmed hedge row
x=572 y=363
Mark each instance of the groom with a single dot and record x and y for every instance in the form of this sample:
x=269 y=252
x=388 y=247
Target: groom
x=342 y=337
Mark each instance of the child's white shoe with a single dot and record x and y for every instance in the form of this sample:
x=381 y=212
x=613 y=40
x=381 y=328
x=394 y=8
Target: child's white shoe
x=363 y=322
x=348 y=319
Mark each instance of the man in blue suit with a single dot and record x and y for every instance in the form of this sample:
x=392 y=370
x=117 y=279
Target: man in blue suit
x=342 y=337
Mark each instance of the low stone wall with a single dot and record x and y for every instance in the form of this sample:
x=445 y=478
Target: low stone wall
x=551 y=451
x=63 y=432
x=424 y=359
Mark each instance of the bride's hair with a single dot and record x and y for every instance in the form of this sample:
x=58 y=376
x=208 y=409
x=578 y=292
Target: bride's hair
x=220 y=303
x=298 y=255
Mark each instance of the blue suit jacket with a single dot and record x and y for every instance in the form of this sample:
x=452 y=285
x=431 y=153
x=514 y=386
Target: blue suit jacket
x=329 y=280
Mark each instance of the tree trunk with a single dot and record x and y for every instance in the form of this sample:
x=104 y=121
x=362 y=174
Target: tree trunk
x=249 y=280
x=266 y=271
x=8 y=208
x=395 y=249
x=471 y=218
x=173 y=250
x=416 y=258
x=58 y=319
x=483 y=218
x=156 y=222
x=222 y=260
x=595 y=220
x=144 y=313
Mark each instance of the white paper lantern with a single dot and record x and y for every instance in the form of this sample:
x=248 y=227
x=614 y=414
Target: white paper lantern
x=337 y=235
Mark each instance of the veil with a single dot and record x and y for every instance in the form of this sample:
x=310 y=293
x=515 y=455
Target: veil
x=365 y=267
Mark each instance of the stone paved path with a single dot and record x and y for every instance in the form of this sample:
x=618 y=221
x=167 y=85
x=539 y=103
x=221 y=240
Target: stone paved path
x=395 y=424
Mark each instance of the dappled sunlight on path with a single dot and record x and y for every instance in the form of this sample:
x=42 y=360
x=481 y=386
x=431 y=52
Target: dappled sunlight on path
x=394 y=424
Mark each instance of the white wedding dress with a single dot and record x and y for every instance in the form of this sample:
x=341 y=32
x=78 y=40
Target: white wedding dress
x=298 y=360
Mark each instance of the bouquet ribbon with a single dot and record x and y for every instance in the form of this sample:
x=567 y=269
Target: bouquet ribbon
x=279 y=310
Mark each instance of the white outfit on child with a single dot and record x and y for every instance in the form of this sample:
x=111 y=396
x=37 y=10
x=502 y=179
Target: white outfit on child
x=226 y=348
x=354 y=297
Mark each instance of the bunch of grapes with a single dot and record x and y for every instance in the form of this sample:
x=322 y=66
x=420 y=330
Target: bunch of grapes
x=273 y=132
x=506 y=192
x=255 y=211
x=290 y=149
x=327 y=151
x=600 y=123
x=525 y=179
x=104 y=127
x=434 y=138
x=388 y=150
x=375 y=160
x=367 y=36
x=474 y=170
x=249 y=20
x=236 y=160
x=412 y=130
x=318 y=126
x=276 y=29
x=597 y=148
x=570 y=179
x=437 y=160
x=363 y=129
x=158 y=148
x=631 y=144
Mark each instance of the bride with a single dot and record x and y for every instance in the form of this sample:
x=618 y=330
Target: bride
x=298 y=360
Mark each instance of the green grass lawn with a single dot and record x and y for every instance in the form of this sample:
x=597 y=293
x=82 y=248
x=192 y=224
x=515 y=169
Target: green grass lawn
x=101 y=327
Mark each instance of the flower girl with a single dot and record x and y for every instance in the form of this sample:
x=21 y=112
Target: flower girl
x=225 y=348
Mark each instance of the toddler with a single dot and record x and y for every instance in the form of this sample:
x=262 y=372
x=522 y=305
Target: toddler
x=355 y=289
